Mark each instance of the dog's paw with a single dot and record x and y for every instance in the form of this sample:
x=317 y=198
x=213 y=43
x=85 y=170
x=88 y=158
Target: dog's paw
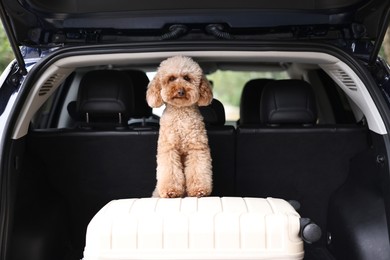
x=171 y=193
x=198 y=193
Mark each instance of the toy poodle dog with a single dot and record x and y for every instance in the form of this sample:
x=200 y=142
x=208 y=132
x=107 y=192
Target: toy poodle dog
x=183 y=154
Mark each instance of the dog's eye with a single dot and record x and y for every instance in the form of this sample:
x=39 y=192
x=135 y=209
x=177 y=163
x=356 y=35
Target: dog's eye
x=186 y=78
x=171 y=78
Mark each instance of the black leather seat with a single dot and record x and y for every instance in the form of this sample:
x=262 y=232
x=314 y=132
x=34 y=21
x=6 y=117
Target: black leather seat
x=250 y=99
x=289 y=156
x=142 y=116
x=222 y=146
x=288 y=102
x=103 y=100
x=213 y=114
x=102 y=159
x=140 y=83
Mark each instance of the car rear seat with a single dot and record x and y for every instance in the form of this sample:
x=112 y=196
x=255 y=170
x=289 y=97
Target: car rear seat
x=289 y=156
x=143 y=113
x=103 y=100
x=249 y=102
x=101 y=159
x=222 y=147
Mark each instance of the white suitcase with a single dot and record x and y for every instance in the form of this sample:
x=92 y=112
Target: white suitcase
x=195 y=228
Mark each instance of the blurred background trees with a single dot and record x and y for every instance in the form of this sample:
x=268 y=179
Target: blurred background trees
x=386 y=46
x=6 y=54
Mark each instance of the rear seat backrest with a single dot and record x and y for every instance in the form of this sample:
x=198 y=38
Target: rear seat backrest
x=288 y=102
x=140 y=83
x=250 y=99
x=289 y=156
x=94 y=164
x=213 y=114
x=142 y=115
x=103 y=99
x=222 y=146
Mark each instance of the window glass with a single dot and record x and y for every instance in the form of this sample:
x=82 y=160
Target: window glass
x=227 y=88
x=228 y=85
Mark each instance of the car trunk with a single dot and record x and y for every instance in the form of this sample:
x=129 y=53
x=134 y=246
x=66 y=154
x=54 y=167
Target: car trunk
x=64 y=176
x=67 y=176
x=55 y=178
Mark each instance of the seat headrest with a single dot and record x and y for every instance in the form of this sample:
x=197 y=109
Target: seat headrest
x=213 y=114
x=140 y=81
x=103 y=96
x=288 y=102
x=250 y=99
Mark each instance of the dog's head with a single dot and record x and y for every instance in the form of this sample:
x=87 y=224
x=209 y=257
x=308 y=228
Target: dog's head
x=179 y=81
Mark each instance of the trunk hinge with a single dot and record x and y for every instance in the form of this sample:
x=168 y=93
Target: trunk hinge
x=10 y=86
x=12 y=40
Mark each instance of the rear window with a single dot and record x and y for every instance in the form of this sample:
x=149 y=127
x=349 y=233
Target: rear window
x=228 y=85
x=227 y=88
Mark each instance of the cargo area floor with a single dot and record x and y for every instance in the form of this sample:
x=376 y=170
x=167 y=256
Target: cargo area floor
x=318 y=253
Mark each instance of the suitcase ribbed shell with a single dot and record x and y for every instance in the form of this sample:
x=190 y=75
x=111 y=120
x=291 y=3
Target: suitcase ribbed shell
x=195 y=228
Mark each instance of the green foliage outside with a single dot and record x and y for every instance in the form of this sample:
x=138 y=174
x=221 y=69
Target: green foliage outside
x=382 y=54
x=6 y=54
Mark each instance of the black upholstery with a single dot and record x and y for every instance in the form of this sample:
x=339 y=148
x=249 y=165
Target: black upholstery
x=295 y=161
x=104 y=96
x=357 y=212
x=140 y=84
x=288 y=102
x=83 y=170
x=90 y=168
x=303 y=164
x=250 y=99
x=213 y=114
x=142 y=116
x=222 y=147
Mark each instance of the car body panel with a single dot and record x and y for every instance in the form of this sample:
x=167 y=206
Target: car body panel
x=42 y=23
x=54 y=41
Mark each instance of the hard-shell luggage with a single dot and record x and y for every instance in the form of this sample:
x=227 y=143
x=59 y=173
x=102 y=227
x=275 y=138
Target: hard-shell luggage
x=195 y=228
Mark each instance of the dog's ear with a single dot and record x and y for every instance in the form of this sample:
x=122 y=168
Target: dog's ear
x=153 y=94
x=205 y=93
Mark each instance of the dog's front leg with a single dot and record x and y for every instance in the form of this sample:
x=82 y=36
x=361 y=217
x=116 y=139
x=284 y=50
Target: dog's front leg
x=170 y=176
x=198 y=173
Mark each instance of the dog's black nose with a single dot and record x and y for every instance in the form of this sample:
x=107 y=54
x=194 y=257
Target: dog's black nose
x=181 y=92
